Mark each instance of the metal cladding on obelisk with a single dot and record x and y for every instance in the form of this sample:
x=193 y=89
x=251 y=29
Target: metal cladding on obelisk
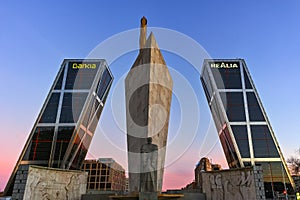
x=148 y=98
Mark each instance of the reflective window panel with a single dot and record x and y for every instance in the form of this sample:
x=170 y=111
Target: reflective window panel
x=234 y=105
x=64 y=135
x=58 y=84
x=206 y=82
x=255 y=113
x=228 y=148
x=247 y=80
x=93 y=105
x=41 y=143
x=50 y=112
x=217 y=115
x=263 y=144
x=72 y=107
x=103 y=83
x=241 y=138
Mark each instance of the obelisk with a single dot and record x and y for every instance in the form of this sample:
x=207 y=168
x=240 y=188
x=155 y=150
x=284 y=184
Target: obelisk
x=148 y=93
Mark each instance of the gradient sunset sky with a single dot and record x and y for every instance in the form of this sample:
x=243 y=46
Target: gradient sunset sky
x=36 y=36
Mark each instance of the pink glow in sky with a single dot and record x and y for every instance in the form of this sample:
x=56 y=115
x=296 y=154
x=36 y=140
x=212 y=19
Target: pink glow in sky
x=176 y=175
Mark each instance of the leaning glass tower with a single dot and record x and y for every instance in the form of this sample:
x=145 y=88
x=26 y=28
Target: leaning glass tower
x=244 y=130
x=63 y=131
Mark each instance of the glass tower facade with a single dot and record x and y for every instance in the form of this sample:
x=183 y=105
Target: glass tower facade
x=244 y=130
x=63 y=131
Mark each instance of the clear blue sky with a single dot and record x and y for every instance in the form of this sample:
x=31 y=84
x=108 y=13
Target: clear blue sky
x=36 y=36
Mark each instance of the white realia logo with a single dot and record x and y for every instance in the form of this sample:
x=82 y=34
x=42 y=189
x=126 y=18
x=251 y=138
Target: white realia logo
x=224 y=65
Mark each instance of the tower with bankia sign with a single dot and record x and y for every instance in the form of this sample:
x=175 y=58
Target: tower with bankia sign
x=244 y=130
x=65 y=126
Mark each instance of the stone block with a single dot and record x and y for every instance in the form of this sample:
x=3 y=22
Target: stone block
x=193 y=196
x=224 y=184
x=148 y=196
x=50 y=183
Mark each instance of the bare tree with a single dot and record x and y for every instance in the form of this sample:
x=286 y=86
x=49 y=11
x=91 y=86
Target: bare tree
x=294 y=163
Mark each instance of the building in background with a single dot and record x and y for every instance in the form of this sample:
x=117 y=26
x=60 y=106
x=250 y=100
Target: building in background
x=105 y=174
x=62 y=133
x=243 y=127
x=204 y=165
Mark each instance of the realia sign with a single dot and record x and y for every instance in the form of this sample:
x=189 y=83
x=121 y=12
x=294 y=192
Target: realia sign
x=224 y=65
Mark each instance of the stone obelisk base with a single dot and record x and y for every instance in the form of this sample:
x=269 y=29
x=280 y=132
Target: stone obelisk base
x=148 y=196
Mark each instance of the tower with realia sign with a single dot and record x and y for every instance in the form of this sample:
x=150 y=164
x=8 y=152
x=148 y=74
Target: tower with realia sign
x=243 y=127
